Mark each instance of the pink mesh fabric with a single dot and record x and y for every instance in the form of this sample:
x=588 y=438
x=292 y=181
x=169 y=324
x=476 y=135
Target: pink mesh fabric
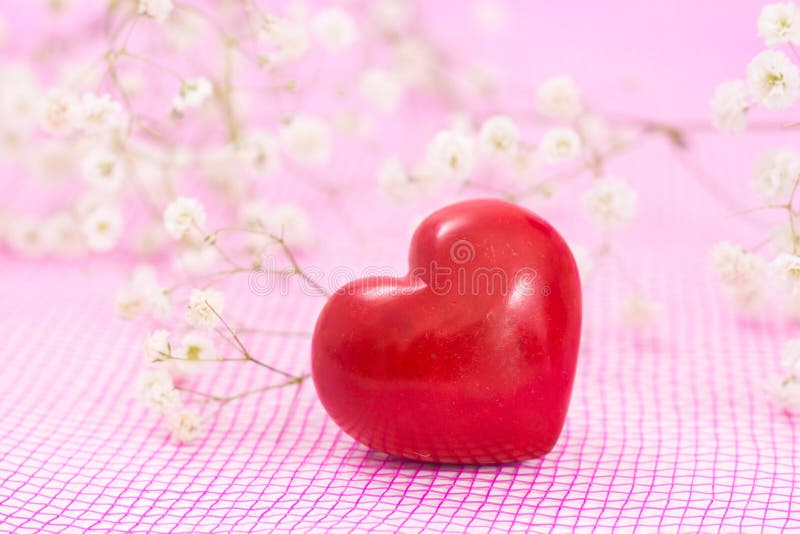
x=668 y=428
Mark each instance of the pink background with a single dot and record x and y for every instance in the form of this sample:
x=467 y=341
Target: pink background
x=668 y=427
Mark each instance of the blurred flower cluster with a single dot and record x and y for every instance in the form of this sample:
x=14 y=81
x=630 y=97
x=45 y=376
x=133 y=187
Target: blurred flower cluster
x=162 y=127
x=750 y=275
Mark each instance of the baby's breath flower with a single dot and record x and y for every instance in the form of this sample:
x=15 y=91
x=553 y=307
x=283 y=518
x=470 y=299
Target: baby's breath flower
x=334 y=29
x=199 y=312
x=196 y=347
x=786 y=268
x=129 y=303
x=53 y=162
x=735 y=266
x=773 y=80
x=61 y=234
x=776 y=175
x=779 y=23
x=729 y=105
x=182 y=215
x=499 y=137
x=184 y=424
x=583 y=259
x=288 y=38
x=26 y=237
x=102 y=227
x=58 y=112
x=290 y=222
x=259 y=150
x=157 y=9
x=560 y=144
x=391 y=15
x=198 y=259
x=103 y=169
x=192 y=94
x=786 y=394
x=559 y=97
x=748 y=298
x=381 y=88
x=156 y=390
x=395 y=183
x=99 y=115
x=156 y=346
x=307 y=140
x=790 y=357
x=638 y=311
x=783 y=238
x=451 y=155
x=610 y=202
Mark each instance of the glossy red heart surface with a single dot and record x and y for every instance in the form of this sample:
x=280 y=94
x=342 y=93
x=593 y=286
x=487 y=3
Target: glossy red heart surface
x=470 y=357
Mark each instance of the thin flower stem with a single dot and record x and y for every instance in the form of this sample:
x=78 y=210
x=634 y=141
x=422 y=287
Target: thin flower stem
x=241 y=346
x=209 y=397
x=285 y=333
x=148 y=61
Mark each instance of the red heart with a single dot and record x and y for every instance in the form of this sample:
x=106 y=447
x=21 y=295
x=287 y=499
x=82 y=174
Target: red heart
x=470 y=357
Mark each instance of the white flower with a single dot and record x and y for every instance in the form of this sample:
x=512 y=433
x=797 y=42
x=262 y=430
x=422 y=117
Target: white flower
x=156 y=390
x=395 y=183
x=783 y=238
x=192 y=94
x=104 y=170
x=451 y=155
x=290 y=222
x=53 y=162
x=773 y=80
x=499 y=137
x=99 y=114
x=307 y=140
x=157 y=347
x=196 y=347
x=381 y=88
x=391 y=15
x=157 y=9
x=729 y=105
x=61 y=234
x=184 y=424
x=334 y=28
x=26 y=237
x=560 y=144
x=58 y=112
x=776 y=175
x=288 y=39
x=196 y=260
x=790 y=356
x=786 y=268
x=583 y=259
x=182 y=215
x=786 y=394
x=610 y=202
x=749 y=298
x=259 y=150
x=204 y=307
x=779 y=23
x=735 y=266
x=129 y=303
x=102 y=227
x=638 y=311
x=559 y=97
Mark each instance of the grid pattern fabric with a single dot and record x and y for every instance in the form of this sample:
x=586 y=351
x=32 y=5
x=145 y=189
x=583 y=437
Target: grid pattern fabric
x=668 y=428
